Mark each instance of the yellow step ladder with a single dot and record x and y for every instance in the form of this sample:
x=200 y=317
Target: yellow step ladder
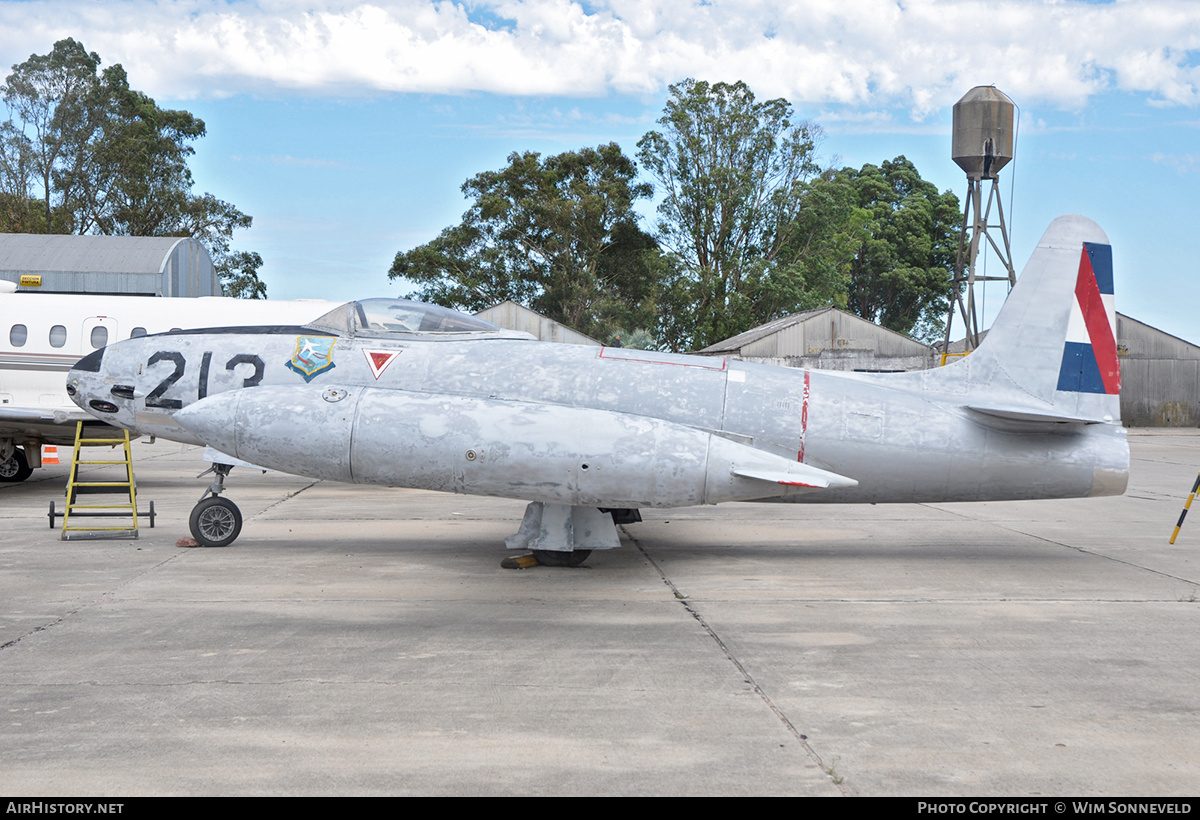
x=122 y=485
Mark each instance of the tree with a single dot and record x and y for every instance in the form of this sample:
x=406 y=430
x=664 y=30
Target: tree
x=138 y=182
x=20 y=210
x=57 y=97
x=812 y=265
x=558 y=235
x=734 y=174
x=108 y=160
x=901 y=273
x=238 y=273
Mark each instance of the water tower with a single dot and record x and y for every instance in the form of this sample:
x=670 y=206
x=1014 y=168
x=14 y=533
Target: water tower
x=982 y=145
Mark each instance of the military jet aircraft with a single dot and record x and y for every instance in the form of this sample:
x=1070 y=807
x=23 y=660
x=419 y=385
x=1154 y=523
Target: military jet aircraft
x=397 y=393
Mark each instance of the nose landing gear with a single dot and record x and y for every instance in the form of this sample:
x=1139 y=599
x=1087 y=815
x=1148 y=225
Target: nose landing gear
x=215 y=521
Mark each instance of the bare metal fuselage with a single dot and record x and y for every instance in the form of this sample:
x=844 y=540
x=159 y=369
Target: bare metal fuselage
x=595 y=426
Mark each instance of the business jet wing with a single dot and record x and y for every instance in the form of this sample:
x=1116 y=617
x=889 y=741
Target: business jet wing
x=33 y=426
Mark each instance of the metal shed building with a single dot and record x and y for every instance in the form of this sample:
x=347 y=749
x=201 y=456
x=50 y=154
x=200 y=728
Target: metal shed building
x=511 y=316
x=1160 y=376
x=828 y=339
x=1160 y=373
x=125 y=265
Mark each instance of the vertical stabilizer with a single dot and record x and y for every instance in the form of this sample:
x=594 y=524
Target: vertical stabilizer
x=1052 y=351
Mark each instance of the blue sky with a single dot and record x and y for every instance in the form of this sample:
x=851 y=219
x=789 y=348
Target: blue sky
x=346 y=128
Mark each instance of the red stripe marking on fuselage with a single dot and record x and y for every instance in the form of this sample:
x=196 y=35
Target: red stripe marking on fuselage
x=803 y=419
x=1095 y=316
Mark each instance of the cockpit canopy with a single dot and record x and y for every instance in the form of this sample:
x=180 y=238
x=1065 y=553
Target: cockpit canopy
x=387 y=318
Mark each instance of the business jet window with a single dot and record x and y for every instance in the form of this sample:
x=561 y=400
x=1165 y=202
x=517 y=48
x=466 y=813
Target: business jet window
x=17 y=335
x=137 y=332
x=58 y=336
x=99 y=336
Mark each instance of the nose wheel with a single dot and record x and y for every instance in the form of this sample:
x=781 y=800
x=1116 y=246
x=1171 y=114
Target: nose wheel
x=216 y=521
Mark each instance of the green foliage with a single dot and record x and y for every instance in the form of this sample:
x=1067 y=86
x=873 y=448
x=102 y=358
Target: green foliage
x=58 y=100
x=138 y=183
x=640 y=339
x=816 y=250
x=20 y=210
x=238 y=273
x=753 y=231
x=558 y=235
x=104 y=158
x=901 y=273
x=734 y=176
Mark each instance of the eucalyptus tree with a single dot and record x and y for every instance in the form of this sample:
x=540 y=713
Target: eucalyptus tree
x=57 y=100
x=902 y=269
x=104 y=158
x=732 y=173
x=557 y=234
x=20 y=208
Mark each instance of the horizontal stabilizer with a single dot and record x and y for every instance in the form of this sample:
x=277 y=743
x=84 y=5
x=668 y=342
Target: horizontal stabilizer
x=1033 y=415
x=800 y=475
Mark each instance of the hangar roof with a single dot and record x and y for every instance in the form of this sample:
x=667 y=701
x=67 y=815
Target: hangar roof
x=512 y=316
x=153 y=265
x=826 y=327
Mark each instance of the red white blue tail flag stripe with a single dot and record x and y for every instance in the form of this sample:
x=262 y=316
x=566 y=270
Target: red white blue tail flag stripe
x=1089 y=363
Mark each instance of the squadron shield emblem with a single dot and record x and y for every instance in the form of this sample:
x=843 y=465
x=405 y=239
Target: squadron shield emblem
x=313 y=356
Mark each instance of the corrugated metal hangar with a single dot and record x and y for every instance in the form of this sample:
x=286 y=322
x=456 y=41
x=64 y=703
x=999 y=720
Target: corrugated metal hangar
x=1160 y=376
x=112 y=265
x=827 y=339
x=1160 y=373
x=511 y=316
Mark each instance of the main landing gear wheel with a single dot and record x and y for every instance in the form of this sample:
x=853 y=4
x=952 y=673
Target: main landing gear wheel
x=15 y=467
x=215 y=522
x=555 y=558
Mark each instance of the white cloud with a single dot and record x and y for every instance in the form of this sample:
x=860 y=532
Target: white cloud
x=918 y=54
x=1182 y=163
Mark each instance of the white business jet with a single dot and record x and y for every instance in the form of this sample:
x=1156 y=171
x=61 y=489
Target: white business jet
x=43 y=334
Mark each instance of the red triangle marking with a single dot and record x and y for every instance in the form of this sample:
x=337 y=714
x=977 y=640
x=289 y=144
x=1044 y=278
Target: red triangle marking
x=378 y=360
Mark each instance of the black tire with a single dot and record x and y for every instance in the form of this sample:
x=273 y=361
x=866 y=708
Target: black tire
x=15 y=467
x=215 y=522
x=554 y=558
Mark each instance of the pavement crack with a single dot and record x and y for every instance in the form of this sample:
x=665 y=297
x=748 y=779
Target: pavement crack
x=801 y=738
x=1083 y=550
x=285 y=499
x=99 y=599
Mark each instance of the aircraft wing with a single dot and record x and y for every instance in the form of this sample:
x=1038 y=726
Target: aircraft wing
x=215 y=456
x=41 y=415
x=798 y=475
x=54 y=425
